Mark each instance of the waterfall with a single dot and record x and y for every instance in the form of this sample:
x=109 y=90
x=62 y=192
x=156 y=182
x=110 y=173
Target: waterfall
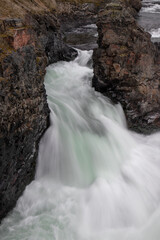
x=95 y=179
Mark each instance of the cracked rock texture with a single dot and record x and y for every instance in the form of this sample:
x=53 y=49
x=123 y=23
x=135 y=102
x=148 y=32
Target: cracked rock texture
x=126 y=65
x=30 y=39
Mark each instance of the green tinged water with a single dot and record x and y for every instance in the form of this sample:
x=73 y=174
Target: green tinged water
x=95 y=179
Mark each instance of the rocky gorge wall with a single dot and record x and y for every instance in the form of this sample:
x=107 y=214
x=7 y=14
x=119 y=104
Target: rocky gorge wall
x=126 y=64
x=125 y=69
x=73 y=14
x=30 y=39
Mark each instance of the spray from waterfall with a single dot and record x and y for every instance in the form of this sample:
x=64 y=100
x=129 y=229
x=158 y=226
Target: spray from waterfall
x=95 y=179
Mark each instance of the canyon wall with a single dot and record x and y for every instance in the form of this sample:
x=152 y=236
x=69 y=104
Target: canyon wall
x=126 y=69
x=73 y=14
x=30 y=39
x=126 y=64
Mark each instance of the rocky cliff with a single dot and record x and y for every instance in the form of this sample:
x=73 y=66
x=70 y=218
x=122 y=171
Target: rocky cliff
x=126 y=64
x=73 y=14
x=30 y=39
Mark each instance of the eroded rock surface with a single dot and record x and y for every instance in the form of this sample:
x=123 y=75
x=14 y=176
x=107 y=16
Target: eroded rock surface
x=126 y=65
x=73 y=15
x=27 y=45
x=77 y=21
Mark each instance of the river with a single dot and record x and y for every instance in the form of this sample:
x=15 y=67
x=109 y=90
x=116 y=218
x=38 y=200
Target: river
x=95 y=179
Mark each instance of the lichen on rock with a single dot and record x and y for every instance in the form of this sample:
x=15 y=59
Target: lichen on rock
x=30 y=39
x=126 y=64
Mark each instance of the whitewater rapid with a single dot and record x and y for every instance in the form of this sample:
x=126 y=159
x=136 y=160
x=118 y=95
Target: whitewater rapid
x=95 y=179
x=149 y=18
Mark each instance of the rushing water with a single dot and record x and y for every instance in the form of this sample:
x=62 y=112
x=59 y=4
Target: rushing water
x=95 y=179
x=150 y=18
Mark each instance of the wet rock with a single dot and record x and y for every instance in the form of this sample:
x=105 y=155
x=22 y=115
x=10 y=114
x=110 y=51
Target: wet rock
x=77 y=20
x=24 y=118
x=126 y=65
x=27 y=47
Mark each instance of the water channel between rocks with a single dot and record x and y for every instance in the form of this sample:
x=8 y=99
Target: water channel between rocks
x=95 y=179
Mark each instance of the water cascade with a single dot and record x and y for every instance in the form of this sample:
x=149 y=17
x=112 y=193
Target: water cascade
x=95 y=179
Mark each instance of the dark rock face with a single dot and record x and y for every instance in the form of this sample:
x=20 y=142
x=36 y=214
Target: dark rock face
x=126 y=65
x=24 y=118
x=73 y=15
x=49 y=39
x=77 y=21
x=27 y=47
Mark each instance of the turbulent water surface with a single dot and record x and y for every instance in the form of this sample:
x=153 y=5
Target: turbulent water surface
x=150 y=18
x=95 y=179
x=83 y=37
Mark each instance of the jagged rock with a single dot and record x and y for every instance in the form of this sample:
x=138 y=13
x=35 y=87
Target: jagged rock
x=126 y=65
x=27 y=46
x=73 y=15
x=24 y=118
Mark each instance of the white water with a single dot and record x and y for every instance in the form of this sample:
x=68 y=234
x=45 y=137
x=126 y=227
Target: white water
x=149 y=18
x=155 y=33
x=155 y=8
x=150 y=8
x=95 y=179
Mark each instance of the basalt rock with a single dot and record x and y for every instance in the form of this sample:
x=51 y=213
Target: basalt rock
x=27 y=45
x=126 y=65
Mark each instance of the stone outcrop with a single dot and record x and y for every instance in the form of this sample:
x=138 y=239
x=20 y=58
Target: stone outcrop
x=126 y=65
x=30 y=39
x=74 y=14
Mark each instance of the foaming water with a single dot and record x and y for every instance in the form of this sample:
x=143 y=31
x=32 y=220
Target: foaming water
x=84 y=123
x=95 y=179
x=153 y=8
x=149 y=18
x=155 y=33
